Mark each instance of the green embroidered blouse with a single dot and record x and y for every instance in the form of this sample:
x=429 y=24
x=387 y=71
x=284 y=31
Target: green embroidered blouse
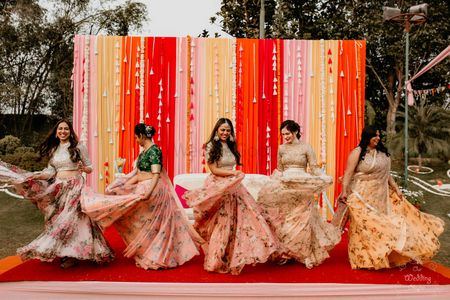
x=152 y=156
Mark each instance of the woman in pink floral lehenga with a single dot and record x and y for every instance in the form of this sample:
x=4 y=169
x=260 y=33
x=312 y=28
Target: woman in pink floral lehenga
x=226 y=215
x=143 y=208
x=69 y=234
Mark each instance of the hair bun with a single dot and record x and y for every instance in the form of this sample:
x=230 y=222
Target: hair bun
x=149 y=131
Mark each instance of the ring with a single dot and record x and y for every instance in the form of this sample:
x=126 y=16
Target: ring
x=420 y=169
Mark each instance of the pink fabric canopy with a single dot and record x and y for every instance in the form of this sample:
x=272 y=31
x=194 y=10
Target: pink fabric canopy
x=432 y=63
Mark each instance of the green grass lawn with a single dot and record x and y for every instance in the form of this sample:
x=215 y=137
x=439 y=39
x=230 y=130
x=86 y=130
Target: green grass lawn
x=20 y=223
x=436 y=205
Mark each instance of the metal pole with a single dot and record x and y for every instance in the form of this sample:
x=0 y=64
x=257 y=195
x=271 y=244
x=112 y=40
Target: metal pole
x=262 y=16
x=406 y=102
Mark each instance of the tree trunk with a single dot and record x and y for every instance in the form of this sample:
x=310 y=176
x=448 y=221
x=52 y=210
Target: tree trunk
x=393 y=98
x=390 y=118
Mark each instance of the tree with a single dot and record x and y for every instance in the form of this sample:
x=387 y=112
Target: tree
x=428 y=130
x=240 y=18
x=36 y=51
x=356 y=19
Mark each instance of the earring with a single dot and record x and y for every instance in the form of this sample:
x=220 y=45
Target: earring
x=216 y=137
x=231 y=138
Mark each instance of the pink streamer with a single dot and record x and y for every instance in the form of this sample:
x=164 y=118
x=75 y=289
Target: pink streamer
x=77 y=76
x=296 y=87
x=431 y=64
x=180 y=108
x=92 y=179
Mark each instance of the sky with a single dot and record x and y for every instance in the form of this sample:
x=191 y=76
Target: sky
x=177 y=18
x=180 y=18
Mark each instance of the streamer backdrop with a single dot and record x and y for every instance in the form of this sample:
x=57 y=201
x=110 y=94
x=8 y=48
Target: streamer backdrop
x=181 y=86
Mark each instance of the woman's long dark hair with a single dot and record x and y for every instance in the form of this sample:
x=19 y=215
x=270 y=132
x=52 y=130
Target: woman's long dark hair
x=291 y=126
x=368 y=133
x=216 y=151
x=51 y=142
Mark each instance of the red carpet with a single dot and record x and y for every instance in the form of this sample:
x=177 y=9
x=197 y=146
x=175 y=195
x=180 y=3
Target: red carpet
x=334 y=270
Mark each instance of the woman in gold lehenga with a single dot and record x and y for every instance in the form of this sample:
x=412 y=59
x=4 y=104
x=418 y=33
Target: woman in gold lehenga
x=288 y=202
x=385 y=229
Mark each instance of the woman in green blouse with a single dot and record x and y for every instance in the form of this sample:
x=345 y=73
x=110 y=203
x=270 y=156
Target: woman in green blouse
x=143 y=208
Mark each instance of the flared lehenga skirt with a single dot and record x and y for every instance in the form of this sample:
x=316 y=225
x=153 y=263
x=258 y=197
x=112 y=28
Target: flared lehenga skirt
x=230 y=221
x=68 y=232
x=155 y=230
x=392 y=236
x=288 y=205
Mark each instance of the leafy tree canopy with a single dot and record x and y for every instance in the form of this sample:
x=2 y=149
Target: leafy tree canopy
x=354 y=19
x=36 y=50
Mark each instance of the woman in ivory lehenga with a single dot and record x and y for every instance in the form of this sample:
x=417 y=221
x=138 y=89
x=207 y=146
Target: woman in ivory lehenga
x=226 y=215
x=69 y=233
x=144 y=209
x=288 y=202
x=385 y=229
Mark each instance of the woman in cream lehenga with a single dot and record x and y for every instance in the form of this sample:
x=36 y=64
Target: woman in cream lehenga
x=226 y=215
x=288 y=202
x=385 y=229
x=144 y=209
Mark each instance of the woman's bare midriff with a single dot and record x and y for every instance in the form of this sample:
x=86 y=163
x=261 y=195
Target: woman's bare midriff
x=68 y=174
x=141 y=176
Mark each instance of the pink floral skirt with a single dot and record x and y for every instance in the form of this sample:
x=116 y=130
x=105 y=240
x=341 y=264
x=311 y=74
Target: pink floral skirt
x=228 y=218
x=156 y=230
x=68 y=231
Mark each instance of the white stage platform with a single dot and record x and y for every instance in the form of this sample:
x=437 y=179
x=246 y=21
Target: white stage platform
x=135 y=290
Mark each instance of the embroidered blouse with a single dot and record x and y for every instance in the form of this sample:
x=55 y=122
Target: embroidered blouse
x=227 y=160
x=150 y=160
x=60 y=160
x=297 y=155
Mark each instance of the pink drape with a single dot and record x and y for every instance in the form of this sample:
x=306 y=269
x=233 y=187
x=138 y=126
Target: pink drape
x=431 y=64
x=295 y=83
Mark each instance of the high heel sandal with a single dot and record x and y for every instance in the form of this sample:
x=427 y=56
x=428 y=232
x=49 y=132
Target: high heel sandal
x=68 y=262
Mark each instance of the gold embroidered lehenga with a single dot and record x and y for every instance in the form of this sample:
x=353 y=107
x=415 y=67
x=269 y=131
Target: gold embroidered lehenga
x=288 y=205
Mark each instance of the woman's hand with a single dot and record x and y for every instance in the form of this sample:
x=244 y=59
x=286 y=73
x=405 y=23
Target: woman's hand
x=398 y=191
x=37 y=176
x=343 y=197
x=145 y=196
x=237 y=172
x=81 y=167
